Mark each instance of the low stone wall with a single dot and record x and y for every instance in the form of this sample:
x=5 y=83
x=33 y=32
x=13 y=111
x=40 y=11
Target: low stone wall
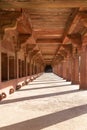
x=9 y=87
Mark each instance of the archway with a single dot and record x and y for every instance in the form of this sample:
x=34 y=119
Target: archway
x=48 y=69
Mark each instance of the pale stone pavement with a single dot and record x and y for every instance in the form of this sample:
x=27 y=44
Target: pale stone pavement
x=48 y=103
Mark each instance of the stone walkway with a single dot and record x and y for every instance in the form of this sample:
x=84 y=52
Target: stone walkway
x=48 y=103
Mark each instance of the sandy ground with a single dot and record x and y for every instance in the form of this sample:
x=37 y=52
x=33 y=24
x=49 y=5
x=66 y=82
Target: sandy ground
x=48 y=103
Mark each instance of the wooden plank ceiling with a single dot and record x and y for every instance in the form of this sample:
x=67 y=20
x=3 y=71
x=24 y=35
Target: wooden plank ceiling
x=49 y=27
x=50 y=21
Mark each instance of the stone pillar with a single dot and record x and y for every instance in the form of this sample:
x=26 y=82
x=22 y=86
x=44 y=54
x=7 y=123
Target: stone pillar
x=4 y=67
x=37 y=67
x=40 y=68
x=68 y=69
x=64 y=69
x=1 y=38
x=20 y=68
x=55 y=69
x=30 y=67
x=76 y=40
x=75 y=70
x=0 y=58
x=8 y=66
x=16 y=64
x=27 y=67
x=25 y=63
x=11 y=67
x=23 y=68
x=60 y=69
x=33 y=68
x=83 y=68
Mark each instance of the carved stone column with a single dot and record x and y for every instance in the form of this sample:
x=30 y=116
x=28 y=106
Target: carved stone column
x=75 y=68
x=73 y=71
x=33 y=67
x=68 y=54
x=68 y=69
x=55 y=69
x=30 y=67
x=0 y=58
x=64 y=69
x=37 y=68
x=7 y=19
x=11 y=67
x=76 y=40
x=16 y=63
x=83 y=67
x=59 y=69
x=25 y=64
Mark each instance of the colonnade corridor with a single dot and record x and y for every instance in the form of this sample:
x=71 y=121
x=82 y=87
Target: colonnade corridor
x=47 y=103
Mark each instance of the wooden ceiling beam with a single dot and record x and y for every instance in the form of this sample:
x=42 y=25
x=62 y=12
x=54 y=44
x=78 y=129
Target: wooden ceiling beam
x=80 y=17
x=70 y=22
x=43 y=4
x=48 y=41
x=48 y=45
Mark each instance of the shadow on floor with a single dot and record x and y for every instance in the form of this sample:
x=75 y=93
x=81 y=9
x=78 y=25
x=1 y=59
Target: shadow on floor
x=44 y=87
x=37 y=80
x=38 y=96
x=49 y=120
x=34 y=83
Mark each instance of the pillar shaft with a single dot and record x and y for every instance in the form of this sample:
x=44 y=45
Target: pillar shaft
x=16 y=66
x=68 y=69
x=83 y=68
x=64 y=69
x=30 y=68
x=75 y=70
x=11 y=67
x=0 y=58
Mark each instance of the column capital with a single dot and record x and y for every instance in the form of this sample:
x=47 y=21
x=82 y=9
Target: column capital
x=76 y=39
x=83 y=16
x=22 y=38
x=8 y=19
x=30 y=47
x=84 y=47
x=63 y=52
x=68 y=49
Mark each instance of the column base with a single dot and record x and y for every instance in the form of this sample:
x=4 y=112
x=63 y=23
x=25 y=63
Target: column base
x=74 y=83
x=83 y=87
x=68 y=80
